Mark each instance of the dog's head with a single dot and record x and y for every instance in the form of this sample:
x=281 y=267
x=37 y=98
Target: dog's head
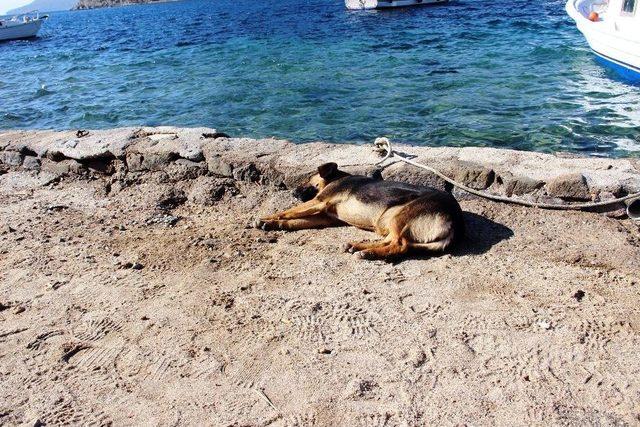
x=326 y=174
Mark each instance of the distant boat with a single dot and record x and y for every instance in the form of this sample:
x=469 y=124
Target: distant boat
x=612 y=29
x=387 y=4
x=21 y=27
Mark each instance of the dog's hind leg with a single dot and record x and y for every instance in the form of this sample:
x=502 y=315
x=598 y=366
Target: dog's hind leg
x=353 y=247
x=393 y=249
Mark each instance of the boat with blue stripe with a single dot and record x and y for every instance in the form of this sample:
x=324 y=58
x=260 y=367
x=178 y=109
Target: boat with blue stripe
x=612 y=29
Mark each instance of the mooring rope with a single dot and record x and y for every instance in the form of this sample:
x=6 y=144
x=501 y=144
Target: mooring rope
x=384 y=145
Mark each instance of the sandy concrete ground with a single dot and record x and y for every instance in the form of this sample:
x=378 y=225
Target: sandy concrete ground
x=111 y=315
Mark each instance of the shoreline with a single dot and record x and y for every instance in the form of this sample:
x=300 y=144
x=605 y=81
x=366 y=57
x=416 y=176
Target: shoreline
x=551 y=178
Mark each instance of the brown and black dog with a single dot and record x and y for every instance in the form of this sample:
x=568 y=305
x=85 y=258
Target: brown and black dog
x=406 y=216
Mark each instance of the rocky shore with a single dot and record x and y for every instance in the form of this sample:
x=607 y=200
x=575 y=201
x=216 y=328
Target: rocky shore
x=133 y=292
x=94 y=4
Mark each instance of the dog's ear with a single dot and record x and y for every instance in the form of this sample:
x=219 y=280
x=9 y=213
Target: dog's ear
x=327 y=170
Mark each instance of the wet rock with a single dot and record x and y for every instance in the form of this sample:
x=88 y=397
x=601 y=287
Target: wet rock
x=569 y=187
x=207 y=191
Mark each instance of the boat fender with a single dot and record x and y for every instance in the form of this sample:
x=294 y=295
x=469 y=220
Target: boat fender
x=594 y=17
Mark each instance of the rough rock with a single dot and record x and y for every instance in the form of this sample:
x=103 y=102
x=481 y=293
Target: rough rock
x=182 y=154
x=472 y=175
x=11 y=158
x=208 y=190
x=218 y=165
x=31 y=163
x=520 y=185
x=569 y=186
x=171 y=198
x=183 y=169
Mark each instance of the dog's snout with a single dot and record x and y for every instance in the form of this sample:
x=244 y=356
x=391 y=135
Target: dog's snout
x=305 y=193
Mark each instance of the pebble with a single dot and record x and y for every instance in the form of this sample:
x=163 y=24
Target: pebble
x=544 y=324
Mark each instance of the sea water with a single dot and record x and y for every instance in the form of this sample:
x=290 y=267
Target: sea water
x=507 y=73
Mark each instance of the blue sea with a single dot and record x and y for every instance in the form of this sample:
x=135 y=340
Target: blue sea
x=506 y=73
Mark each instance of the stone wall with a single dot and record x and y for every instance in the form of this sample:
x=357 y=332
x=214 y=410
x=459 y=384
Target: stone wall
x=188 y=153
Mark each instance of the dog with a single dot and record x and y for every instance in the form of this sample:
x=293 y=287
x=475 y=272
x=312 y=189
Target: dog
x=408 y=217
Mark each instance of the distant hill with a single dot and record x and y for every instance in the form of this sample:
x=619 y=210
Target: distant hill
x=45 y=6
x=92 y=4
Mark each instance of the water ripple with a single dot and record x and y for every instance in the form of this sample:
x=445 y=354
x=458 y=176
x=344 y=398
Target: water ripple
x=516 y=74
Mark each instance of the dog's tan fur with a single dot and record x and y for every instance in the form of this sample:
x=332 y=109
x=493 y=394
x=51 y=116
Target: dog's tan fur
x=407 y=217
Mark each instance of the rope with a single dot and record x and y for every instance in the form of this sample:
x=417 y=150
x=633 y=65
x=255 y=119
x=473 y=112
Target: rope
x=384 y=145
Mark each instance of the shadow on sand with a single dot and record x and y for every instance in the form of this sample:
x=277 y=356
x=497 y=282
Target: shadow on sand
x=481 y=235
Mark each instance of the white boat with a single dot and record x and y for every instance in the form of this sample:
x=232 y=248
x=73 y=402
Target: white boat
x=21 y=27
x=386 y=4
x=612 y=29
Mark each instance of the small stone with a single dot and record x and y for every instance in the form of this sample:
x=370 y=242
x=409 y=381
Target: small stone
x=137 y=266
x=417 y=357
x=6 y=229
x=579 y=295
x=544 y=324
x=19 y=309
x=324 y=351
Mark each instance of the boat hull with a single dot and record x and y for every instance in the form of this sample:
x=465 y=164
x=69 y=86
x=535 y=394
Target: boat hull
x=612 y=47
x=388 y=4
x=21 y=31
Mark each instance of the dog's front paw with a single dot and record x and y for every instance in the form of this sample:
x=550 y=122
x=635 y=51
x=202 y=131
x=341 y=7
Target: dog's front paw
x=257 y=223
x=347 y=247
x=267 y=225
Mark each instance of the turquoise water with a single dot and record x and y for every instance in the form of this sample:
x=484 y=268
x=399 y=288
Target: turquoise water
x=505 y=74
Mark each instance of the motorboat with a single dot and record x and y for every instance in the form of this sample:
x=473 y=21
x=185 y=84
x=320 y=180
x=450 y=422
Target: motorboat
x=387 y=4
x=21 y=26
x=612 y=29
